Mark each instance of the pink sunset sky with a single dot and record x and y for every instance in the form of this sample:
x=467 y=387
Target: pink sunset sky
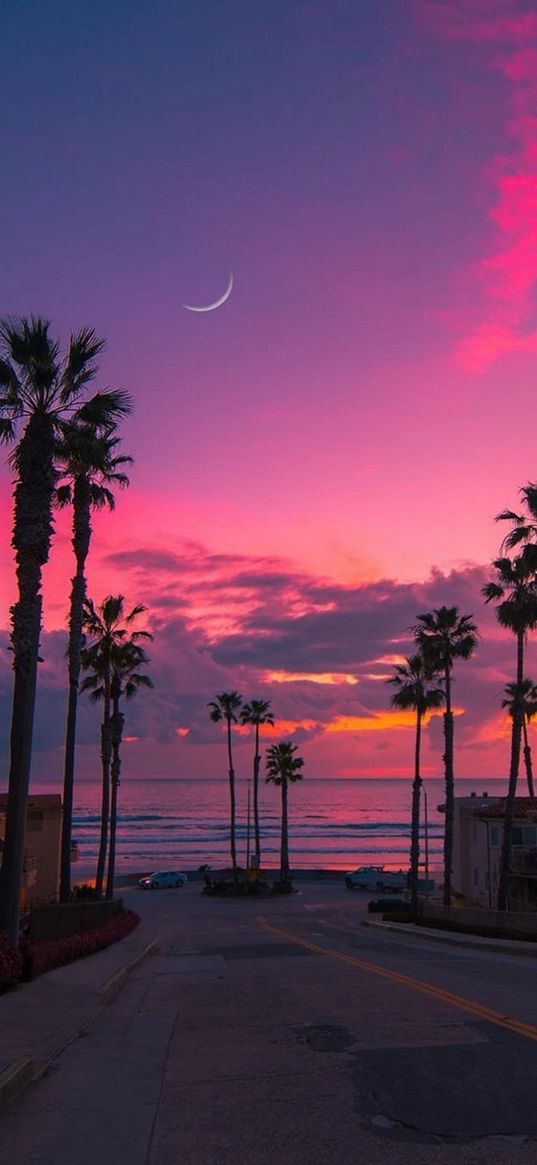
x=320 y=459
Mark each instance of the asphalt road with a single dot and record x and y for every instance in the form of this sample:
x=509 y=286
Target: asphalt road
x=284 y=1032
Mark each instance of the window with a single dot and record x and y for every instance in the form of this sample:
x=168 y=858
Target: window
x=494 y=835
x=517 y=835
x=529 y=834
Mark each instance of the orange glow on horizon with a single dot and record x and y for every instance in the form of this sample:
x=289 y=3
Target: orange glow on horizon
x=287 y=677
x=382 y=721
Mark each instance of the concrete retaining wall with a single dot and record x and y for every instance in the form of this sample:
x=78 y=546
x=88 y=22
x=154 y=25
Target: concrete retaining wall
x=475 y=918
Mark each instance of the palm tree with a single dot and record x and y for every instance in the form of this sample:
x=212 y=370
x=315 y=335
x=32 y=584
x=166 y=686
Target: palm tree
x=524 y=531
x=226 y=707
x=38 y=388
x=415 y=688
x=126 y=658
x=88 y=463
x=515 y=593
x=528 y=699
x=442 y=636
x=284 y=767
x=107 y=627
x=257 y=712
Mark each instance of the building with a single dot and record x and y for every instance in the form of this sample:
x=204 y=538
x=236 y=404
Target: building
x=42 y=848
x=477 y=843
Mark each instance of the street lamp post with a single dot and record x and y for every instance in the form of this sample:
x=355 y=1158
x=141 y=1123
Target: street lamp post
x=426 y=823
x=248 y=830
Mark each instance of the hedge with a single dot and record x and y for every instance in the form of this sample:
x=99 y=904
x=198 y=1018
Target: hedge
x=11 y=965
x=34 y=959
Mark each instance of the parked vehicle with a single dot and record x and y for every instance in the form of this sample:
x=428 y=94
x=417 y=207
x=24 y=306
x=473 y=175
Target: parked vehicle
x=388 y=905
x=375 y=878
x=162 y=879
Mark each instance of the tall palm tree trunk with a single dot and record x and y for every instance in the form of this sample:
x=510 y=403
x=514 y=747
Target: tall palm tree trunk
x=81 y=544
x=116 y=726
x=231 y=774
x=516 y=742
x=450 y=790
x=257 y=762
x=415 y=820
x=31 y=542
x=106 y=754
x=284 y=849
x=527 y=757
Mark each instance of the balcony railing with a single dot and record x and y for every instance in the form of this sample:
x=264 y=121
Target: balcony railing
x=524 y=860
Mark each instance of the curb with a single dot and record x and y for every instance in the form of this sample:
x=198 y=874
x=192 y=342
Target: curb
x=450 y=938
x=14 y=1081
x=113 y=985
x=17 y=1077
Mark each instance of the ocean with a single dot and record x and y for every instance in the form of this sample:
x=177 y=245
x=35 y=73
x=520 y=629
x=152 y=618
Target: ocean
x=333 y=823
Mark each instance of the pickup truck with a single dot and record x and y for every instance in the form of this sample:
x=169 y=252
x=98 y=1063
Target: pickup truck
x=376 y=878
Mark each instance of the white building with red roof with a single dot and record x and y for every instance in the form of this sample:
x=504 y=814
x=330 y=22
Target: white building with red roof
x=477 y=842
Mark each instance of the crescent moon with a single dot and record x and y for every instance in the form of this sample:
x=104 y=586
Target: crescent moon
x=217 y=302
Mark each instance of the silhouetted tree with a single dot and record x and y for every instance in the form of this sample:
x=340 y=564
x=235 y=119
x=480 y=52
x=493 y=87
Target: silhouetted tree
x=88 y=464
x=283 y=768
x=528 y=700
x=126 y=679
x=515 y=595
x=107 y=627
x=226 y=707
x=417 y=688
x=38 y=389
x=257 y=712
x=442 y=636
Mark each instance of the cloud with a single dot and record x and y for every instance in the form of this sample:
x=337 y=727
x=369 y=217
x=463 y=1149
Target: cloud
x=507 y=276
x=319 y=650
x=483 y=21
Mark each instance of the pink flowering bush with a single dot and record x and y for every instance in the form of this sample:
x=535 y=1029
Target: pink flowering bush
x=11 y=964
x=45 y=956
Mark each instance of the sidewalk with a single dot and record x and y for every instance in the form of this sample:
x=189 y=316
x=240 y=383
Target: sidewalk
x=502 y=946
x=39 y=1019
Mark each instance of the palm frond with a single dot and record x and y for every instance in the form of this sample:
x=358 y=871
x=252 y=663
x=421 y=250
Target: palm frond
x=7 y=431
x=509 y=516
x=529 y=493
x=9 y=382
x=138 y=610
x=282 y=764
x=135 y=682
x=105 y=408
x=517 y=536
x=101 y=497
x=256 y=712
x=80 y=366
x=63 y=496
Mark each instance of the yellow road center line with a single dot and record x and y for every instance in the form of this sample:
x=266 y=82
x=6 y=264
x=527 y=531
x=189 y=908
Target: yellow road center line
x=476 y=1009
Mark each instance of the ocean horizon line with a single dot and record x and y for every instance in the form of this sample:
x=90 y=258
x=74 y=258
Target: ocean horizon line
x=478 y=781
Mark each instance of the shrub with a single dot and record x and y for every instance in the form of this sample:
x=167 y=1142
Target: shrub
x=45 y=956
x=85 y=893
x=283 y=886
x=11 y=964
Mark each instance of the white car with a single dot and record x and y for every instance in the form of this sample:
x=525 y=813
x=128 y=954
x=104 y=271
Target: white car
x=375 y=878
x=162 y=879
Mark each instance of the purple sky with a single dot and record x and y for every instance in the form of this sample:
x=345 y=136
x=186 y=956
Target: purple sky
x=363 y=404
